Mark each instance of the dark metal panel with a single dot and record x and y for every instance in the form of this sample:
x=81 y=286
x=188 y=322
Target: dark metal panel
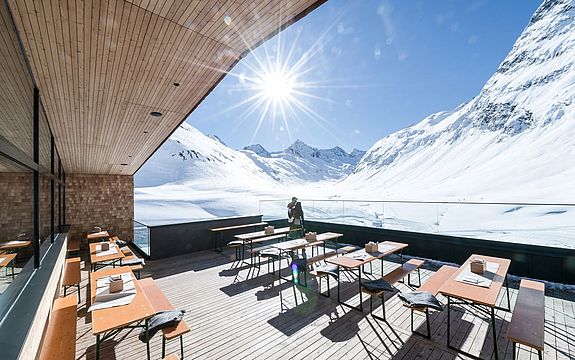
x=177 y=239
x=533 y=261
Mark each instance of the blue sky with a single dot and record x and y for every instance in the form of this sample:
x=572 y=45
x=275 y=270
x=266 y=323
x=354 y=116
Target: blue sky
x=371 y=68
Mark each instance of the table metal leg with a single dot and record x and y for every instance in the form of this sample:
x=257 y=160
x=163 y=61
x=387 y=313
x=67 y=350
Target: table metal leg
x=494 y=334
x=448 y=320
x=148 y=342
x=98 y=347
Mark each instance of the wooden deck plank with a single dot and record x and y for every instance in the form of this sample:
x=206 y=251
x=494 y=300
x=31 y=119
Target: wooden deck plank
x=309 y=325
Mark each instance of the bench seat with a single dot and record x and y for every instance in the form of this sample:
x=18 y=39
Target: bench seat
x=72 y=275
x=160 y=302
x=60 y=340
x=527 y=326
x=432 y=286
x=391 y=278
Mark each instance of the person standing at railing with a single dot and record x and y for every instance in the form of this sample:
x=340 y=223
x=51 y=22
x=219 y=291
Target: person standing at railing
x=295 y=217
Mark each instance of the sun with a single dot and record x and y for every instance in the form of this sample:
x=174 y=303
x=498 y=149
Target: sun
x=277 y=83
x=276 y=86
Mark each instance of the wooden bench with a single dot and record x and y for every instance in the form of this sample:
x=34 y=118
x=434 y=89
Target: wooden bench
x=160 y=302
x=396 y=275
x=432 y=286
x=220 y=231
x=321 y=257
x=527 y=326
x=72 y=275
x=60 y=339
x=74 y=246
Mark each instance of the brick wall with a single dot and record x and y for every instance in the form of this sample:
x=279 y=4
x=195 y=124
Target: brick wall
x=100 y=200
x=17 y=210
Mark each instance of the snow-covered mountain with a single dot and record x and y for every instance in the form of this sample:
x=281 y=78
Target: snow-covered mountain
x=515 y=141
x=300 y=163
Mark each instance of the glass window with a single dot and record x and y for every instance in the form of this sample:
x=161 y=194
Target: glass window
x=45 y=178
x=16 y=220
x=16 y=92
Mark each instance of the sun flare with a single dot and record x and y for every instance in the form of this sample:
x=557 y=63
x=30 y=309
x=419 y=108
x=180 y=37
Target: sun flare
x=276 y=86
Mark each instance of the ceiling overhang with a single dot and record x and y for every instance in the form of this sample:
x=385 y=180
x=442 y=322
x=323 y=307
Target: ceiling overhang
x=103 y=66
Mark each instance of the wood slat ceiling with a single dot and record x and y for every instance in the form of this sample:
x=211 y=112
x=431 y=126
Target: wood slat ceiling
x=103 y=65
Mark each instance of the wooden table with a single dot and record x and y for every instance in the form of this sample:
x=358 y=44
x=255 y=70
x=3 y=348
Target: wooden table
x=8 y=259
x=478 y=296
x=248 y=238
x=108 y=322
x=218 y=232
x=349 y=263
x=98 y=236
x=95 y=259
x=11 y=246
x=329 y=236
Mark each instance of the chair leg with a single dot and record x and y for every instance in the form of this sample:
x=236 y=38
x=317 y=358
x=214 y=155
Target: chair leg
x=79 y=296
x=163 y=347
x=182 y=346
x=514 y=350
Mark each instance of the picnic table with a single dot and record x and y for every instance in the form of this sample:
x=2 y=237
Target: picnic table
x=106 y=322
x=109 y=257
x=218 y=232
x=14 y=245
x=8 y=260
x=357 y=259
x=248 y=238
x=97 y=236
x=476 y=290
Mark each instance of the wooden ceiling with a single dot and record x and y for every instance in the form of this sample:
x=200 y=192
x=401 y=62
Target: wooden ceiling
x=102 y=66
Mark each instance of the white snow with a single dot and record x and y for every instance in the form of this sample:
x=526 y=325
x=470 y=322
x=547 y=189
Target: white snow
x=514 y=143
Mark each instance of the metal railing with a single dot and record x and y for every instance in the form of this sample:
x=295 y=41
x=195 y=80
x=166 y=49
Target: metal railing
x=528 y=223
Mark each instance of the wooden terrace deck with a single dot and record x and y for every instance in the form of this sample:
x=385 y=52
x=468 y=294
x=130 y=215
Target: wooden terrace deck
x=238 y=314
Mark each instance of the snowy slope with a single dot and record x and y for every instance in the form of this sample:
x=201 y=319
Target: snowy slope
x=513 y=142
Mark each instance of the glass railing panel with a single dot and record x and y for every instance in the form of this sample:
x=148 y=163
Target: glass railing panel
x=408 y=216
x=324 y=210
x=142 y=237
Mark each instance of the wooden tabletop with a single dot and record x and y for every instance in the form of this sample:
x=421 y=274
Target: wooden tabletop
x=328 y=236
x=386 y=247
x=96 y=259
x=104 y=320
x=295 y=244
x=7 y=258
x=477 y=294
x=98 y=235
x=259 y=234
x=15 y=244
x=238 y=226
